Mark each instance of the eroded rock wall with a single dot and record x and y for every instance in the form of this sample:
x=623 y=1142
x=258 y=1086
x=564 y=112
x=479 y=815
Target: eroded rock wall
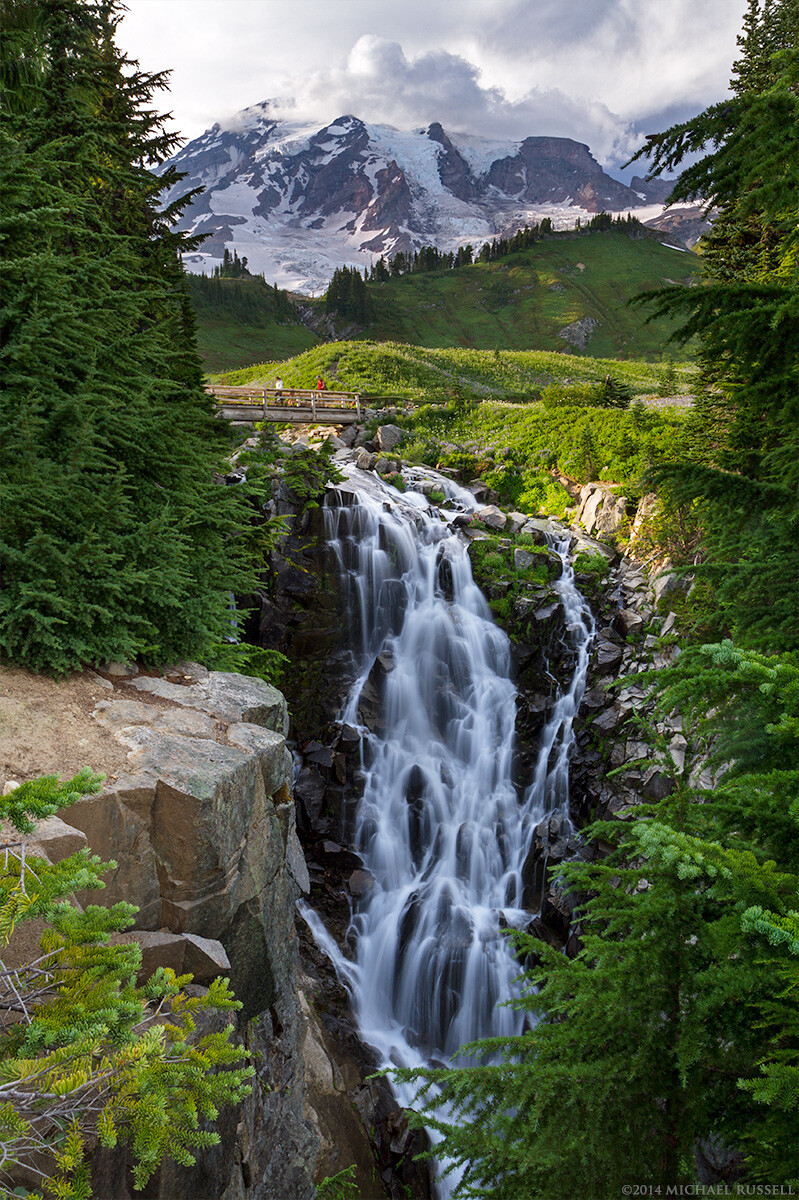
x=201 y=824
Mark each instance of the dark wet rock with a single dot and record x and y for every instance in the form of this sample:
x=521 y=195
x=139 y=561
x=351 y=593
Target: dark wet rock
x=607 y=657
x=361 y=882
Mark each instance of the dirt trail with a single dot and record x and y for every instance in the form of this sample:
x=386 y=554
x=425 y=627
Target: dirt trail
x=47 y=726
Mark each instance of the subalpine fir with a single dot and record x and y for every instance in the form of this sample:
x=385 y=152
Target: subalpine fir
x=115 y=540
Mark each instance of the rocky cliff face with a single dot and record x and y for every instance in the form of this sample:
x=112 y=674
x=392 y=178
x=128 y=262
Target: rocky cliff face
x=201 y=823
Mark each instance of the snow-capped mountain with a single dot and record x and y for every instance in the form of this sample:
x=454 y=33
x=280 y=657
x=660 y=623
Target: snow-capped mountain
x=299 y=201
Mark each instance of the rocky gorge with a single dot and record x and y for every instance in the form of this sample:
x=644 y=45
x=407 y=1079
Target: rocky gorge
x=217 y=829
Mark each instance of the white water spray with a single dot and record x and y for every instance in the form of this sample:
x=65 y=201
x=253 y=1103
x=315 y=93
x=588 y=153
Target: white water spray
x=440 y=824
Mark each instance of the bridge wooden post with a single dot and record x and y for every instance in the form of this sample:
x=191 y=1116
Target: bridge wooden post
x=313 y=405
x=358 y=404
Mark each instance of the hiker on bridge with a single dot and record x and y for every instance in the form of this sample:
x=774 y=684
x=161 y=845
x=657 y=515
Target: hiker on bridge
x=278 y=388
x=320 y=384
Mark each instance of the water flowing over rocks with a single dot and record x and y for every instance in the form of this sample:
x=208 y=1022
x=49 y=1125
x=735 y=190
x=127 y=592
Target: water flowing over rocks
x=441 y=770
x=341 y=741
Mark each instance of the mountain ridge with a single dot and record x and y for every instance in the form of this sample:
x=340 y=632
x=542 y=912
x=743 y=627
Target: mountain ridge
x=300 y=201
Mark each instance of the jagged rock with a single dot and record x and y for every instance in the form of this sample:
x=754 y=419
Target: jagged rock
x=366 y=461
x=204 y=958
x=607 y=657
x=121 y=670
x=610 y=719
x=361 y=882
x=389 y=437
x=225 y=694
x=668 y=624
x=601 y=511
x=667 y=582
x=348 y=435
x=627 y=621
x=51 y=838
x=480 y=490
x=491 y=516
x=582 y=543
x=522 y=559
x=538 y=528
x=657 y=785
x=309 y=794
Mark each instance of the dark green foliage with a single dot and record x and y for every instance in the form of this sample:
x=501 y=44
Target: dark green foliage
x=341 y=1186
x=245 y=298
x=612 y=393
x=115 y=540
x=259 y=661
x=496 y=572
x=743 y=439
x=591 y=564
x=307 y=472
x=672 y=1023
x=232 y=267
x=515 y=448
x=347 y=296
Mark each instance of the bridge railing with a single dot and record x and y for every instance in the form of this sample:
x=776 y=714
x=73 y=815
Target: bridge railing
x=286 y=397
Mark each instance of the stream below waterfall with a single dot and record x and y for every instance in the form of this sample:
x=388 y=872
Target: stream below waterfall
x=441 y=826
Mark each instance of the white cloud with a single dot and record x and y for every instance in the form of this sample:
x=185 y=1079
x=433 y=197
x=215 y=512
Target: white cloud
x=599 y=71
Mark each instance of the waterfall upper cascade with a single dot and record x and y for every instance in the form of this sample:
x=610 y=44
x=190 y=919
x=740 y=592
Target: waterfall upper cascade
x=441 y=825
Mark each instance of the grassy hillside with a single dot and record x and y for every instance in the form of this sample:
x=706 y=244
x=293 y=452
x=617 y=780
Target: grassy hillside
x=422 y=374
x=520 y=302
x=244 y=321
x=527 y=299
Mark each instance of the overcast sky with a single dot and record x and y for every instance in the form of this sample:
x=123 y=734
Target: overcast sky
x=604 y=72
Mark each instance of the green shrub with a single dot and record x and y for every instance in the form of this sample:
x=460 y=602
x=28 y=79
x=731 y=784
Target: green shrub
x=586 y=563
x=258 y=661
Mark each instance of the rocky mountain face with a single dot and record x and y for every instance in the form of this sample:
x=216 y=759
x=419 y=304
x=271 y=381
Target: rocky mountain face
x=300 y=201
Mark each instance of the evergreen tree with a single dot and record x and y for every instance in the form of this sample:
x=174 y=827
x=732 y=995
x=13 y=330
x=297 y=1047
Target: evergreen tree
x=115 y=540
x=347 y=296
x=85 y=1054
x=742 y=463
x=673 y=1023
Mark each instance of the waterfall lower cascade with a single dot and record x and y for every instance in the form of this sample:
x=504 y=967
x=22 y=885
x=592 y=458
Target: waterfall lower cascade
x=440 y=826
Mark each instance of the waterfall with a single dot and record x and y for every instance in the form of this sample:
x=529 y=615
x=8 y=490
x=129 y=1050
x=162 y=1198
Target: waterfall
x=440 y=825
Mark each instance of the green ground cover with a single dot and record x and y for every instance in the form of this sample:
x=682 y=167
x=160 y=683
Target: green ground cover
x=242 y=320
x=528 y=298
x=425 y=374
x=223 y=344
x=516 y=448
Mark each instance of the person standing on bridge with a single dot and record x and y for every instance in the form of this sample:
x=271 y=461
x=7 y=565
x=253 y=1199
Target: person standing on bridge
x=320 y=383
x=278 y=388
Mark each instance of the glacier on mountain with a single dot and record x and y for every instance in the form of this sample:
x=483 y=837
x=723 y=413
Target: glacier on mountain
x=300 y=201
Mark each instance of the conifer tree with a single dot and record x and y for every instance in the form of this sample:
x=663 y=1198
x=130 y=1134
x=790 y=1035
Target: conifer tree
x=742 y=465
x=84 y=1053
x=674 y=1022
x=115 y=540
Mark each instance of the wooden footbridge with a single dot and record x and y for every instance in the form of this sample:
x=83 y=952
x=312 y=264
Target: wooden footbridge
x=298 y=406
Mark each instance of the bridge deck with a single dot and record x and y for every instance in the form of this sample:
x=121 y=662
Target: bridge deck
x=298 y=406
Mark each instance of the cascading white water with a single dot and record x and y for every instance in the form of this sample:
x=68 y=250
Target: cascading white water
x=440 y=824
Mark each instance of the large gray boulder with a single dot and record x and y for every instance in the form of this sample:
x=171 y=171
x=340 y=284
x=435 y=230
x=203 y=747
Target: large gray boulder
x=389 y=437
x=225 y=694
x=601 y=512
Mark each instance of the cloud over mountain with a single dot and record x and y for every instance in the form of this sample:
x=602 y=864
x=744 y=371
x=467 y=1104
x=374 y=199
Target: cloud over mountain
x=380 y=79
